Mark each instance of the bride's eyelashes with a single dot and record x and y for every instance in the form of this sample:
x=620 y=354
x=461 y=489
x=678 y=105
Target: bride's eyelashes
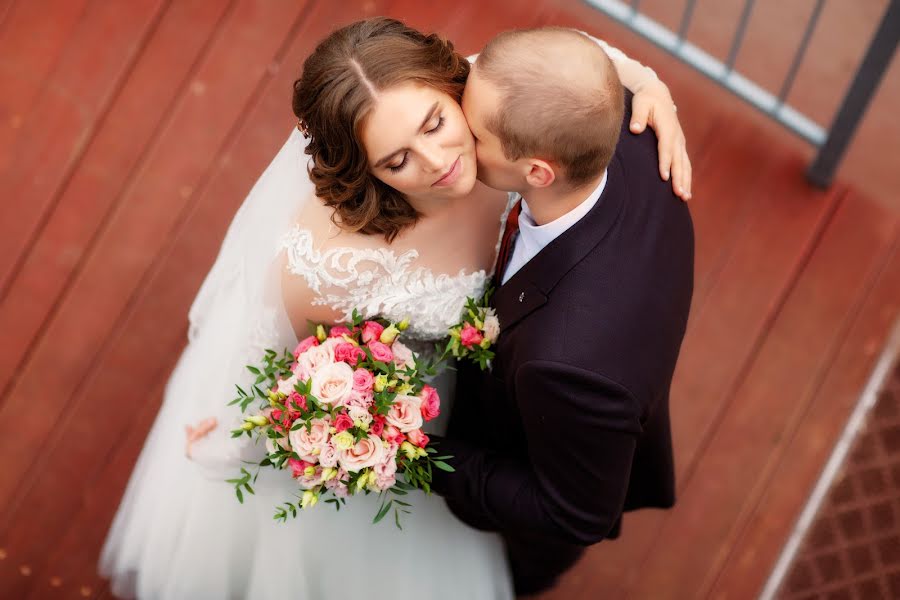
x=402 y=163
x=435 y=129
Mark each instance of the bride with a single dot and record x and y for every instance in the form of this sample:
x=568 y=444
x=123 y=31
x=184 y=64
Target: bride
x=384 y=215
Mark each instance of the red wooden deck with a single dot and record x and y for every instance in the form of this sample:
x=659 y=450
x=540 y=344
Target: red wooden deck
x=129 y=134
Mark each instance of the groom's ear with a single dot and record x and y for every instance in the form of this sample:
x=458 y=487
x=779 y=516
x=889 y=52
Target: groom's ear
x=540 y=173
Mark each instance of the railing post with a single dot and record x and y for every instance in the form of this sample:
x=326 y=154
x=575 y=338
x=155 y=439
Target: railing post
x=874 y=64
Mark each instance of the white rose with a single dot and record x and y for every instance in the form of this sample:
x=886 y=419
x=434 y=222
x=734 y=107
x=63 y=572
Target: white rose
x=491 y=326
x=405 y=413
x=360 y=416
x=286 y=386
x=316 y=358
x=367 y=452
x=308 y=444
x=333 y=383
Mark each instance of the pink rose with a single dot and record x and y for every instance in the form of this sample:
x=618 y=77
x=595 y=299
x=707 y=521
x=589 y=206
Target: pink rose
x=405 y=413
x=314 y=359
x=377 y=426
x=403 y=356
x=338 y=331
x=381 y=351
x=333 y=383
x=366 y=453
x=308 y=444
x=305 y=345
x=371 y=331
x=363 y=380
x=343 y=422
x=417 y=438
x=348 y=353
x=295 y=402
x=470 y=336
x=431 y=403
x=385 y=471
x=392 y=435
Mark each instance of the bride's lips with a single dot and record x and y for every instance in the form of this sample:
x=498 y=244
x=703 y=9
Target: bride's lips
x=450 y=176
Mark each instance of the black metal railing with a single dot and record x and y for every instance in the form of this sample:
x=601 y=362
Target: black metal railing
x=832 y=142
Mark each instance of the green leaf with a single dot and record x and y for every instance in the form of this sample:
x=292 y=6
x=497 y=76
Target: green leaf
x=384 y=510
x=240 y=496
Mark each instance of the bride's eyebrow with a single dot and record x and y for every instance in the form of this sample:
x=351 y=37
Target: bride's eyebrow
x=427 y=118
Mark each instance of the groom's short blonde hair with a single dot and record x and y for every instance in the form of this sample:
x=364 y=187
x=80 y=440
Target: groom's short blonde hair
x=560 y=99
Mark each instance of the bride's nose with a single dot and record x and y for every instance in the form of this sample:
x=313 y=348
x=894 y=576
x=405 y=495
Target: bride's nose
x=432 y=158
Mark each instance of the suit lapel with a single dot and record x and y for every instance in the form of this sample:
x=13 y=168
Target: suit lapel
x=530 y=287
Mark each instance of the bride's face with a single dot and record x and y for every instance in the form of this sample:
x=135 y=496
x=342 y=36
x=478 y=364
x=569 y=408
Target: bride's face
x=417 y=141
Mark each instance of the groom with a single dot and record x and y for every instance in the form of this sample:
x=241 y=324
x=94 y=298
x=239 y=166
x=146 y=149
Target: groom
x=570 y=427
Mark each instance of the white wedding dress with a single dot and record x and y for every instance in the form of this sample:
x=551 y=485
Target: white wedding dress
x=181 y=533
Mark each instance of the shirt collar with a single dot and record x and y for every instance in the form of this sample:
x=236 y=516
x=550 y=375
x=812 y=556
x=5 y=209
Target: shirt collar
x=541 y=235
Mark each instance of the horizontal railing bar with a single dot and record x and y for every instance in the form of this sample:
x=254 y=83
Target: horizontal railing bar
x=715 y=69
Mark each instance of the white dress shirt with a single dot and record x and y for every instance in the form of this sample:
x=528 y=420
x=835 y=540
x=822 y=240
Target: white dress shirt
x=533 y=238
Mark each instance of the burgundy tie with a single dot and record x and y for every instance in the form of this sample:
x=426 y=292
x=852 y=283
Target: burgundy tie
x=506 y=244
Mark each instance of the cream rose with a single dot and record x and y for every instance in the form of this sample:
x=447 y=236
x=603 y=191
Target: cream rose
x=317 y=357
x=308 y=444
x=403 y=356
x=405 y=413
x=333 y=383
x=367 y=452
x=491 y=326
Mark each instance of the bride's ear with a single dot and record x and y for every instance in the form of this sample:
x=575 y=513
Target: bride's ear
x=540 y=173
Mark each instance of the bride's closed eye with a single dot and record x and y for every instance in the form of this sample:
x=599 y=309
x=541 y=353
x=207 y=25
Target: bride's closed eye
x=435 y=129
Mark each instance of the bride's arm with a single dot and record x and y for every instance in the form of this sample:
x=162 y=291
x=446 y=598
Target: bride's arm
x=652 y=105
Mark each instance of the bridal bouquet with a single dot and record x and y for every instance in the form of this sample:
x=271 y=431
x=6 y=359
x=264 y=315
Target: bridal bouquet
x=343 y=415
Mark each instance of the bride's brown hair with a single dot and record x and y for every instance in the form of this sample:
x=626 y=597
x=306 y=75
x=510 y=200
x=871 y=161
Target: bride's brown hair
x=333 y=97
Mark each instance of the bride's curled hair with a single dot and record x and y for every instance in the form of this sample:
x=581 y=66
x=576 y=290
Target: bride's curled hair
x=336 y=92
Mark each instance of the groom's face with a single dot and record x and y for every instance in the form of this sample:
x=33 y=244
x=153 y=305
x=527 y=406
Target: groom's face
x=480 y=103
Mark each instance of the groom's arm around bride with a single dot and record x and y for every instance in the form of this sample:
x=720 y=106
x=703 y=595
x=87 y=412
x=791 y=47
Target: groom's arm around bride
x=571 y=426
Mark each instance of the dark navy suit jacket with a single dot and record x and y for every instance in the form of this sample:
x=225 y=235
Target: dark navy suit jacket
x=571 y=426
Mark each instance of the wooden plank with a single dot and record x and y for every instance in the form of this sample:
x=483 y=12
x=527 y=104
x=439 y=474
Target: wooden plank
x=50 y=141
x=758 y=545
x=774 y=393
x=105 y=172
x=30 y=47
x=225 y=86
x=159 y=314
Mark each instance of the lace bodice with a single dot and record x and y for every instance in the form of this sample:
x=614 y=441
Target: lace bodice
x=380 y=282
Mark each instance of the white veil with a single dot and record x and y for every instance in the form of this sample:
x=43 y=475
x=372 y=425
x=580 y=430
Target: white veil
x=238 y=311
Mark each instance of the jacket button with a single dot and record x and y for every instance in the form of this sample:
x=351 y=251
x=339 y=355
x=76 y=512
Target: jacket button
x=522 y=297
